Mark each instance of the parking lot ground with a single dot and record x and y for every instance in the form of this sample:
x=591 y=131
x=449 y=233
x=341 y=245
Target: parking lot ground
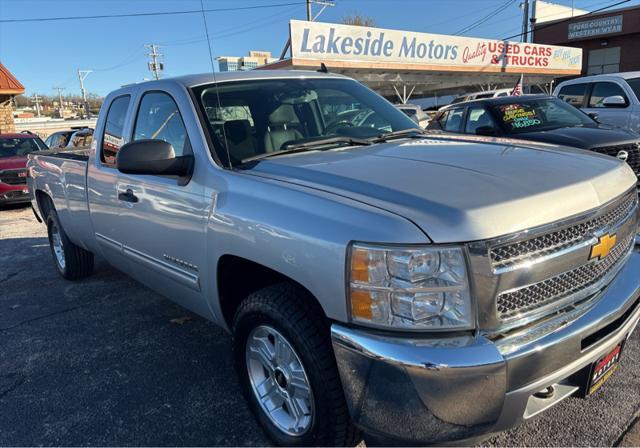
x=106 y=361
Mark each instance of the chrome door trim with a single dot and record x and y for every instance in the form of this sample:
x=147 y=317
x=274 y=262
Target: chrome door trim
x=108 y=242
x=186 y=278
x=181 y=276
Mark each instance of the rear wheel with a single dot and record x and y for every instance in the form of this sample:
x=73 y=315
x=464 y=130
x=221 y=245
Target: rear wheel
x=287 y=368
x=72 y=262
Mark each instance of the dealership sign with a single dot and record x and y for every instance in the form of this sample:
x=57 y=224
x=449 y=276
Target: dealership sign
x=356 y=46
x=596 y=27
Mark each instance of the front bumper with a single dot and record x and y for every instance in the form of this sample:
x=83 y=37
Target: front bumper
x=14 y=193
x=436 y=390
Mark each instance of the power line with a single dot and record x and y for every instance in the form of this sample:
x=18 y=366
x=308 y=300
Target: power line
x=567 y=19
x=539 y=17
x=146 y=14
x=224 y=32
x=479 y=22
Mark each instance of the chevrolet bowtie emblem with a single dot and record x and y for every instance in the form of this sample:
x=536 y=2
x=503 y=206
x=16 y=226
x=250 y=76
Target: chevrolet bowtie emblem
x=602 y=248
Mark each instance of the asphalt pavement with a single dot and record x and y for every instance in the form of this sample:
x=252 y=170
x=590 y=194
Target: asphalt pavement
x=106 y=361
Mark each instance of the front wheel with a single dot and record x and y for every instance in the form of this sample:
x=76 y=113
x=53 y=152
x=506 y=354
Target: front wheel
x=287 y=368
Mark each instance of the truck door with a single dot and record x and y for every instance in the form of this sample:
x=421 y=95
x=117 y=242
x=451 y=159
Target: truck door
x=102 y=180
x=163 y=217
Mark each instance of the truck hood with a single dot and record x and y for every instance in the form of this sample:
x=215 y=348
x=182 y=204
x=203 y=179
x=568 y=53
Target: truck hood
x=459 y=190
x=585 y=137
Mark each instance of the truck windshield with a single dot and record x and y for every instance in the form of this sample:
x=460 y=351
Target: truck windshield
x=11 y=147
x=248 y=118
x=538 y=115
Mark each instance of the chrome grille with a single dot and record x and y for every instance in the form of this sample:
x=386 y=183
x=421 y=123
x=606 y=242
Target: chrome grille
x=633 y=152
x=554 y=289
x=550 y=243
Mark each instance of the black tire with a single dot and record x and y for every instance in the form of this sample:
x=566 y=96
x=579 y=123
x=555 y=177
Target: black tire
x=77 y=263
x=289 y=310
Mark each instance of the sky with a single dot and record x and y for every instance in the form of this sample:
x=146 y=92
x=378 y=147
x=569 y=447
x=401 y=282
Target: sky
x=46 y=54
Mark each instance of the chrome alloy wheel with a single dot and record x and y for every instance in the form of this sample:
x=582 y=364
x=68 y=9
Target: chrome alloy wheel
x=58 y=248
x=279 y=381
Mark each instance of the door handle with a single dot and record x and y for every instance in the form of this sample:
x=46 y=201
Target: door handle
x=127 y=196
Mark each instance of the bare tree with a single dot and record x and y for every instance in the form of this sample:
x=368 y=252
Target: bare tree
x=357 y=19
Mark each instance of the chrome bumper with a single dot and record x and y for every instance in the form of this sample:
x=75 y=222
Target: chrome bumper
x=435 y=390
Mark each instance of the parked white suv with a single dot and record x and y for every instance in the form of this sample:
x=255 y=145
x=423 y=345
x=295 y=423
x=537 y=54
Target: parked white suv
x=614 y=98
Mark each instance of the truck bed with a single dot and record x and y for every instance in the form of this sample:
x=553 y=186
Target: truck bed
x=63 y=175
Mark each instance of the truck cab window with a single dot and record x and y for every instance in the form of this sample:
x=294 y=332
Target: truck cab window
x=573 y=94
x=159 y=118
x=602 y=90
x=113 y=137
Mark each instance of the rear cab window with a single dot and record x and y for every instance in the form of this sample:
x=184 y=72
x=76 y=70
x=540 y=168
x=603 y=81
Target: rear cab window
x=573 y=94
x=113 y=137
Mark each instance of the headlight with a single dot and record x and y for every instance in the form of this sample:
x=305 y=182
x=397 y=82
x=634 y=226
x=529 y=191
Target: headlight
x=412 y=288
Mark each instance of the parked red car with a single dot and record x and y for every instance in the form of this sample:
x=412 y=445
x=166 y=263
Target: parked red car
x=14 y=149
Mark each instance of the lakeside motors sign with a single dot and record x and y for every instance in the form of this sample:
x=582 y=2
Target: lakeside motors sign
x=355 y=46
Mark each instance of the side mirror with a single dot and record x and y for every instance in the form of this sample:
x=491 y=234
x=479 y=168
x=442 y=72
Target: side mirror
x=594 y=116
x=152 y=157
x=614 y=101
x=486 y=130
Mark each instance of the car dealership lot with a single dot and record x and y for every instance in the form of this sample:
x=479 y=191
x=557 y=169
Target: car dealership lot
x=105 y=361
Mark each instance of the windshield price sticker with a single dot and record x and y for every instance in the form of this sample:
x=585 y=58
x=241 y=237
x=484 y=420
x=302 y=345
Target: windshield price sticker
x=518 y=116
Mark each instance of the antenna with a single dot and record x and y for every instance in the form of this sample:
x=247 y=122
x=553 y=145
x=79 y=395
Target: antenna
x=215 y=82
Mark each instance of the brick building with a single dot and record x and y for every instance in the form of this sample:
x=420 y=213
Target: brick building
x=609 y=40
x=9 y=86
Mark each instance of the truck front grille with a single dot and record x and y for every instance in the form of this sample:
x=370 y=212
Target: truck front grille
x=14 y=177
x=555 y=289
x=528 y=250
x=632 y=150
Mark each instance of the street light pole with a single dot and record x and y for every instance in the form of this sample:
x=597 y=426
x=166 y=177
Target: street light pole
x=61 y=107
x=82 y=74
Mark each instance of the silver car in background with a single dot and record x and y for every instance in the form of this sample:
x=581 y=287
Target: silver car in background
x=613 y=98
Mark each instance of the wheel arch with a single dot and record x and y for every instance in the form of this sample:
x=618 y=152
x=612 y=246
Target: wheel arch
x=238 y=277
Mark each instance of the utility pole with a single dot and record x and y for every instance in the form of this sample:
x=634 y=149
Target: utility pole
x=82 y=74
x=310 y=18
x=61 y=107
x=155 y=66
x=525 y=20
x=533 y=19
x=36 y=100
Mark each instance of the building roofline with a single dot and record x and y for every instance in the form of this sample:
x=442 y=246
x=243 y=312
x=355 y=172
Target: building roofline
x=584 y=16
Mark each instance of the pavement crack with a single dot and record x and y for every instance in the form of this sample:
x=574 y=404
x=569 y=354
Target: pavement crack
x=45 y=316
x=10 y=276
x=13 y=387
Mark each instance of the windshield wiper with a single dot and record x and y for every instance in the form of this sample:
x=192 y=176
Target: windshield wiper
x=310 y=146
x=402 y=133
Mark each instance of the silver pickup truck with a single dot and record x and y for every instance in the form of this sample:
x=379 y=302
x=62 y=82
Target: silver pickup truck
x=422 y=289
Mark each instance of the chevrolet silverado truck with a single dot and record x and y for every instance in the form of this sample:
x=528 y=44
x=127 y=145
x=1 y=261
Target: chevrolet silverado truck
x=373 y=278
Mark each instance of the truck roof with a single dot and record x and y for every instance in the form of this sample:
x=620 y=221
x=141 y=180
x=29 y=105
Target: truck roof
x=206 y=78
